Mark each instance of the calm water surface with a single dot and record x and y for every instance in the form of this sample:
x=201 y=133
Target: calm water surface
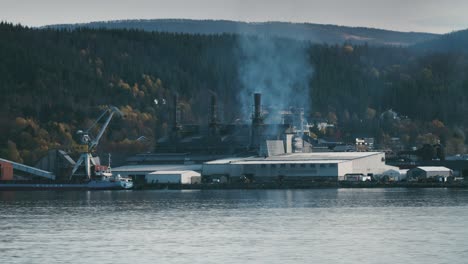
x=257 y=226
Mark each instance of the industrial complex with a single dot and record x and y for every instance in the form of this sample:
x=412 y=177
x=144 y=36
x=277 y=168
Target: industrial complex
x=234 y=153
x=331 y=166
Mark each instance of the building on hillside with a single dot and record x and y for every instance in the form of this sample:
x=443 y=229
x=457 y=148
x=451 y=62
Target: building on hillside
x=364 y=144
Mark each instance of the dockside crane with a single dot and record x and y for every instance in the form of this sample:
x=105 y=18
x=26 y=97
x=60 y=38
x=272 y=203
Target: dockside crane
x=89 y=143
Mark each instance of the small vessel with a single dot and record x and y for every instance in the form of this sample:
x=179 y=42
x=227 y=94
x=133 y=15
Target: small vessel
x=104 y=179
x=110 y=184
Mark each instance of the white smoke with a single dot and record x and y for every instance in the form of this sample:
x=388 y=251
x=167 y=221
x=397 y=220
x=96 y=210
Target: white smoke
x=280 y=69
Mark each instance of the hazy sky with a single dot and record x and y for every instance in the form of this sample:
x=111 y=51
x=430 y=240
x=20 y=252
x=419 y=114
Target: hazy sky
x=405 y=15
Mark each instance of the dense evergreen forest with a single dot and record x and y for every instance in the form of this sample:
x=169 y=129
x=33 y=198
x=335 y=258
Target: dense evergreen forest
x=316 y=33
x=54 y=82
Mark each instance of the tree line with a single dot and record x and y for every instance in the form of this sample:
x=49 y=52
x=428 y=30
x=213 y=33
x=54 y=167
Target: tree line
x=54 y=82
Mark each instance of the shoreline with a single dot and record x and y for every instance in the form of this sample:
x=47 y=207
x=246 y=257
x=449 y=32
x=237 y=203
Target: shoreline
x=241 y=186
x=297 y=186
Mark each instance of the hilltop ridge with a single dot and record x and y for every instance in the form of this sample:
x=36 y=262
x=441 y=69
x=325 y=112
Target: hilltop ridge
x=316 y=33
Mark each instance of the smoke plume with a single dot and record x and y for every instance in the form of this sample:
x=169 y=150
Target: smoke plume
x=277 y=68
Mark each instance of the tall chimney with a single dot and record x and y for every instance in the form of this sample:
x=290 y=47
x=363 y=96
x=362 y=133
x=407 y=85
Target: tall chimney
x=175 y=125
x=214 y=110
x=257 y=107
x=257 y=123
x=213 y=125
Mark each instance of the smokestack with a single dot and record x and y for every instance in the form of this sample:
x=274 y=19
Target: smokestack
x=257 y=107
x=257 y=123
x=214 y=110
x=214 y=116
x=175 y=125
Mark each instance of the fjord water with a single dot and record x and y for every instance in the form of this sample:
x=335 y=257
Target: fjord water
x=239 y=226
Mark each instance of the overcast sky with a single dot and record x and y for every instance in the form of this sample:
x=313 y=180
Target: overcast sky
x=439 y=16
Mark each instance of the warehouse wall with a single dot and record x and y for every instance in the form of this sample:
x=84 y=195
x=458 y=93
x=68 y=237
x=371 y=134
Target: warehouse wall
x=292 y=170
x=176 y=178
x=221 y=169
x=374 y=164
x=344 y=168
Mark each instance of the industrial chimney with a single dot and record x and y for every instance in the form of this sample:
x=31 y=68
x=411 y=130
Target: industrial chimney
x=175 y=124
x=257 y=116
x=257 y=123
x=213 y=110
x=213 y=116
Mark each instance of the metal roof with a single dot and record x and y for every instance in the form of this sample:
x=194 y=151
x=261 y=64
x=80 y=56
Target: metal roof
x=151 y=168
x=252 y=162
x=175 y=172
x=319 y=158
x=163 y=157
x=226 y=161
x=433 y=168
x=31 y=170
x=324 y=156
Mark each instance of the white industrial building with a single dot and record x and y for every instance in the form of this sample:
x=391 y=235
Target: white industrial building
x=395 y=174
x=173 y=177
x=139 y=172
x=430 y=173
x=314 y=166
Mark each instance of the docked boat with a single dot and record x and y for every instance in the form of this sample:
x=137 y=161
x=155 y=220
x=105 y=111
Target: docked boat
x=104 y=179
x=111 y=184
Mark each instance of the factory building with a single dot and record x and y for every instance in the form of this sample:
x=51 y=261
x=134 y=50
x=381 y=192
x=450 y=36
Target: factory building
x=232 y=139
x=265 y=150
x=430 y=174
x=331 y=166
x=394 y=175
x=139 y=172
x=173 y=177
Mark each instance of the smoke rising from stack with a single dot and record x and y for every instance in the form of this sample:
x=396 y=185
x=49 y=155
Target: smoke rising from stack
x=279 y=69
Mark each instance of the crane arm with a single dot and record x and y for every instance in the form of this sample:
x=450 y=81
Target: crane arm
x=112 y=110
x=86 y=161
x=97 y=120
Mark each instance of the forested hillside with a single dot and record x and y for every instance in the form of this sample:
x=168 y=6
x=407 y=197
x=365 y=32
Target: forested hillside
x=317 y=33
x=452 y=42
x=54 y=82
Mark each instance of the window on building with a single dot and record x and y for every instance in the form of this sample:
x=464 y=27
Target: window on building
x=332 y=165
x=283 y=165
x=293 y=165
x=273 y=165
x=323 y=165
x=303 y=165
x=263 y=165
